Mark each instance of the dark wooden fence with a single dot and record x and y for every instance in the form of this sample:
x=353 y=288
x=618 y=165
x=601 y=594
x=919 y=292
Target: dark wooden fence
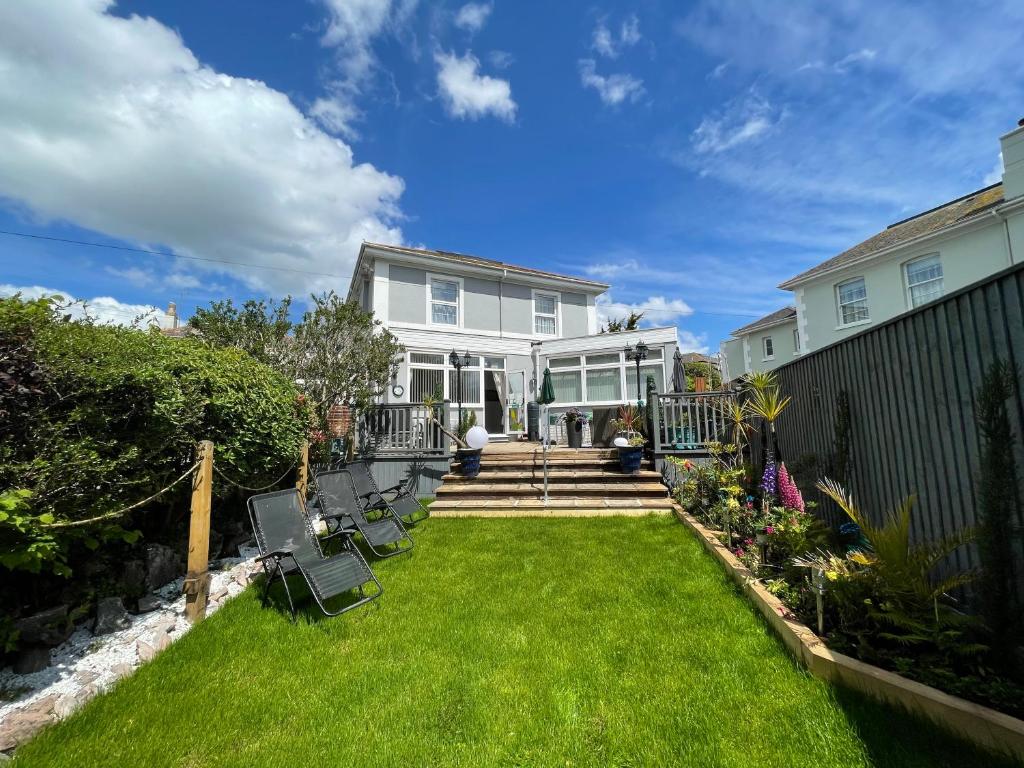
x=912 y=384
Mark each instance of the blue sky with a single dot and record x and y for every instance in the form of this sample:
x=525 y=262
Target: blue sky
x=692 y=155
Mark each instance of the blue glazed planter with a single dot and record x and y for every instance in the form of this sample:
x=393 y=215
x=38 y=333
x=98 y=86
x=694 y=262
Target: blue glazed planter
x=469 y=461
x=630 y=459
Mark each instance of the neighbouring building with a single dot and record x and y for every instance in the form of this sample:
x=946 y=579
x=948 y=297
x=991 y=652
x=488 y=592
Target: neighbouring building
x=512 y=322
x=916 y=260
x=762 y=345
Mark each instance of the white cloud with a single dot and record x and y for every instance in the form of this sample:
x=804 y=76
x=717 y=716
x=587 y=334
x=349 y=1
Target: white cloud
x=609 y=44
x=996 y=174
x=501 y=59
x=352 y=26
x=742 y=121
x=657 y=310
x=692 y=342
x=864 y=54
x=467 y=93
x=113 y=124
x=472 y=16
x=105 y=310
x=613 y=89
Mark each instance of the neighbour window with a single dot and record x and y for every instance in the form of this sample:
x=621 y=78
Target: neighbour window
x=796 y=341
x=853 y=301
x=444 y=301
x=767 y=347
x=545 y=314
x=924 y=280
x=606 y=359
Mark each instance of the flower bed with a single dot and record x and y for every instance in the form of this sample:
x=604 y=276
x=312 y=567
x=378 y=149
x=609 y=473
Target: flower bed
x=880 y=601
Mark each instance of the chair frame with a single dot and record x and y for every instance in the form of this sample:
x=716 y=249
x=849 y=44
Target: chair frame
x=363 y=508
x=280 y=557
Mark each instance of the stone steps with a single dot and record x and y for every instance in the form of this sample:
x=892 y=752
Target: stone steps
x=557 y=507
x=555 y=475
x=567 y=489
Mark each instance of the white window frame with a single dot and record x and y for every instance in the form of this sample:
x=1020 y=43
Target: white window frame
x=461 y=294
x=767 y=341
x=796 y=341
x=557 y=296
x=905 y=268
x=446 y=367
x=840 y=305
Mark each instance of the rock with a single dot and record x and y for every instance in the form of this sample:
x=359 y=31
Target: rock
x=147 y=651
x=148 y=603
x=133 y=578
x=121 y=670
x=161 y=565
x=50 y=627
x=219 y=595
x=68 y=703
x=110 y=616
x=85 y=676
x=22 y=724
x=165 y=627
x=32 y=658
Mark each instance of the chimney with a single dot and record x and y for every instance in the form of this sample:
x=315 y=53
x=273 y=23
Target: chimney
x=172 y=312
x=1013 y=162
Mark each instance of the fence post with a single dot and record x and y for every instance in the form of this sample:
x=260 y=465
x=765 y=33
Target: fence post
x=197 y=579
x=302 y=481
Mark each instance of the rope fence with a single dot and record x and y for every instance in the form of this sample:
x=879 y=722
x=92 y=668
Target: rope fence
x=197 y=578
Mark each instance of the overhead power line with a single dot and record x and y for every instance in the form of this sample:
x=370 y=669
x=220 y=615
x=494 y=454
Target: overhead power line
x=130 y=249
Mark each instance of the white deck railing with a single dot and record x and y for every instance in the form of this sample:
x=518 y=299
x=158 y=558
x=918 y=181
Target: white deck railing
x=687 y=422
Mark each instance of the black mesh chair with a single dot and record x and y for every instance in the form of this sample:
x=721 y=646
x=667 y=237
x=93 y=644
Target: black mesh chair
x=341 y=506
x=398 y=498
x=288 y=546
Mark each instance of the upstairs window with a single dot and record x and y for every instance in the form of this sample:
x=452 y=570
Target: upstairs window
x=767 y=347
x=924 y=280
x=444 y=301
x=796 y=341
x=545 y=314
x=853 y=301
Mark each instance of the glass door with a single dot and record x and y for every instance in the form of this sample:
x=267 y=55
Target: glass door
x=517 y=401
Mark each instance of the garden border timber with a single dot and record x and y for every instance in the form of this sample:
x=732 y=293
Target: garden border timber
x=976 y=723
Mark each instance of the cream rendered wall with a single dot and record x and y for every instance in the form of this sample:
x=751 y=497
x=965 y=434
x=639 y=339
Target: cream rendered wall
x=966 y=258
x=782 y=344
x=732 y=359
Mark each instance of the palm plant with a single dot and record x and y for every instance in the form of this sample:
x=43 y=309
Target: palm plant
x=737 y=417
x=904 y=568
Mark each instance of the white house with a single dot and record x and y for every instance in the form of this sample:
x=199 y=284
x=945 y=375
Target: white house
x=915 y=260
x=511 y=321
x=762 y=345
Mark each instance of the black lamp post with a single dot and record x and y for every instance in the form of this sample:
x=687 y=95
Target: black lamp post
x=458 y=362
x=637 y=354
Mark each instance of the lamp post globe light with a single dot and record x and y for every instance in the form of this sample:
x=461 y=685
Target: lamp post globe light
x=638 y=354
x=458 y=362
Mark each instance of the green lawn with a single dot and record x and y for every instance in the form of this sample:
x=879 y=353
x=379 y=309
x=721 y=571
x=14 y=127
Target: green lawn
x=511 y=642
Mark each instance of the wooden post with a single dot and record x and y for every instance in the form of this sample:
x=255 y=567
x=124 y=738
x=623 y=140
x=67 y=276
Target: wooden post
x=302 y=480
x=197 y=579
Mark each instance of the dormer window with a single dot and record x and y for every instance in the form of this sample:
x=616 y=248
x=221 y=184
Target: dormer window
x=545 y=313
x=444 y=301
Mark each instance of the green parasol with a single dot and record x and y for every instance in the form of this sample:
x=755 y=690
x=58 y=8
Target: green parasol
x=546 y=397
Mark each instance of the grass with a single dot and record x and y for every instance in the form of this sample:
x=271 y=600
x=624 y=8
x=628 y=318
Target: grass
x=507 y=642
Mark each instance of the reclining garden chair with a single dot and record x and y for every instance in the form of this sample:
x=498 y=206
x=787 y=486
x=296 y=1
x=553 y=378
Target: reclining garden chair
x=341 y=506
x=288 y=545
x=398 y=498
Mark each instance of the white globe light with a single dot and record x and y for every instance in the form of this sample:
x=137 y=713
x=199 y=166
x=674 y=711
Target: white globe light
x=620 y=442
x=477 y=437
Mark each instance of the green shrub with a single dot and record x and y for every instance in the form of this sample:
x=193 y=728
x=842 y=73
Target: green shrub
x=114 y=416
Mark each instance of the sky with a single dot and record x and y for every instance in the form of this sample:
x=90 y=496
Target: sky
x=693 y=155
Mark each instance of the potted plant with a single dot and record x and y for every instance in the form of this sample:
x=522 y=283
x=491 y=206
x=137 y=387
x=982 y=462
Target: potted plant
x=469 y=439
x=630 y=442
x=574 y=420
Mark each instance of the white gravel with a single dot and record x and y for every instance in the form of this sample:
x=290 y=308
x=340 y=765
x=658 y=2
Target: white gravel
x=86 y=664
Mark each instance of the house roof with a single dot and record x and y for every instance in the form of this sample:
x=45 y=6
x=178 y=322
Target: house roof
x=477 y=261
x=929 y=222
x=697 y=357
x=783 y=315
